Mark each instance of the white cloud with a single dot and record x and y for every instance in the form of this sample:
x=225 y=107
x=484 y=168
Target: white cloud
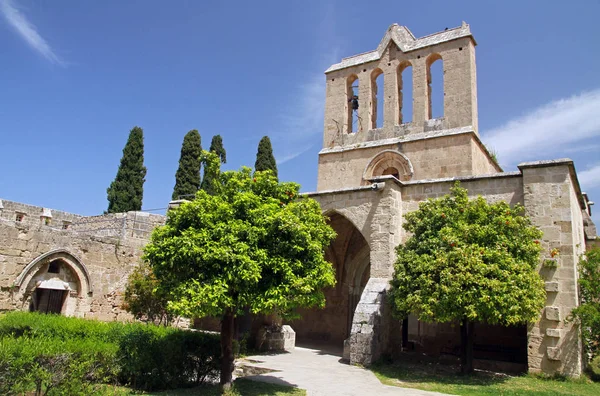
x=546 y=130
x=28 y=31
x=590 y=178
x=293 y=155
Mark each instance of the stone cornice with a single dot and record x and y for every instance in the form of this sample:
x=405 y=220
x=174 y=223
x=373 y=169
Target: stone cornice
x=400 y=139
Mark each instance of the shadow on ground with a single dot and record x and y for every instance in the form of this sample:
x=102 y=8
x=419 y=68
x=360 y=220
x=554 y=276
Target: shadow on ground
x=415 y=368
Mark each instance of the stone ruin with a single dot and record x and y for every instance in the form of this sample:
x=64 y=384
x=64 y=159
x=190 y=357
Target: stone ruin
x=370 y=173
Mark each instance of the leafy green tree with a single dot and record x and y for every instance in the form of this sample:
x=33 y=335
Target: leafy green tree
x=143 y=299
x=216 y=147
x=468 y=261
x=264 y=157
x=187 y=178
x=253 y=244
x=588 y=312
x=127 y=190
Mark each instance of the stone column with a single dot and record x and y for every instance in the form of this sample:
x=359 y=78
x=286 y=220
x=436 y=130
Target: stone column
x=420 y=94
x=390 y=100
x=364 y=101
x=369 y=335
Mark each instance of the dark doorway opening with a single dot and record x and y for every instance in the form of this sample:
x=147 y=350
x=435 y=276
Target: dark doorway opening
x=48 y=300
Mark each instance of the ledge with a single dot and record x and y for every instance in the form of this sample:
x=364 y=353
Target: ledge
x=371 y=187
x=401 y=139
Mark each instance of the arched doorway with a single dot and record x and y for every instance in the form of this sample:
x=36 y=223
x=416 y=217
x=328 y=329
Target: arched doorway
x=349 y=253
x=55 y=282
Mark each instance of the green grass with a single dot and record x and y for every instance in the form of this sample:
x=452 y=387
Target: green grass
x=241 y=387
x=444 y=379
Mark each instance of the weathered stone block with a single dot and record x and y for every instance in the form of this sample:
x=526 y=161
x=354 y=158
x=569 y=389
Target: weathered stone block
x=553 y=313
x=553 y=333
x=553 y=353
x=276 y=339
x=551 y=286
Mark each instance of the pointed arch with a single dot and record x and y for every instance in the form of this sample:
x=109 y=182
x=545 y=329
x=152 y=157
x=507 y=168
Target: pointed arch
x=436 y=78
x=66 y=257
x=389 y=162
x=330 y=213
x=352 y=102
x=349 y=254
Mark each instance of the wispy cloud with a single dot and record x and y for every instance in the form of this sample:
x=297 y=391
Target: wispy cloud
x=590 y=178
x=293 y=155
x=547 y=129
x=301 y=119
x=27 y=30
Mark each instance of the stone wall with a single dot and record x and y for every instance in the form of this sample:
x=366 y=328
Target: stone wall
x=96 y=255
x=431 y=155
x=552 y=201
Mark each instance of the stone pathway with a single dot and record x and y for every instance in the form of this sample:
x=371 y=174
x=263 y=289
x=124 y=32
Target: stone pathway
x=321 y=373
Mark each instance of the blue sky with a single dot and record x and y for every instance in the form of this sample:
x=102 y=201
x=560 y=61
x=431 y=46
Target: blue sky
x=77 y=76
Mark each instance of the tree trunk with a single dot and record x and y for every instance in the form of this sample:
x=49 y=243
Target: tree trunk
x=227 y=359
x=405 y=334
x=466 y=343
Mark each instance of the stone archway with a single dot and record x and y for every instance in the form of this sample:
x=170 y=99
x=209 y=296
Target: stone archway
x=388 y=162
x=55 y=282
x=349 y=253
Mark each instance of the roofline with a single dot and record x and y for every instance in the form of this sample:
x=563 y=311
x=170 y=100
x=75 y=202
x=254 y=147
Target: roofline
x=406 y=41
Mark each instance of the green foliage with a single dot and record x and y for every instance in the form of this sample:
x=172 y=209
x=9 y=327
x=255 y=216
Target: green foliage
x=588 y=312
x=187 y=178
x=595 y=368
x=143 y=299
x=252 y=244
x=216 y=146
x=468 y=259
x=493 y=153
x=126 y=191
x=264 y=157
x=211 y=173
x=60 y=355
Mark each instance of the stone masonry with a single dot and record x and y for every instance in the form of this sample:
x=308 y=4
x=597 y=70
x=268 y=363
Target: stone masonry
x=368 y=178
x=373 y=176
x=91 y=257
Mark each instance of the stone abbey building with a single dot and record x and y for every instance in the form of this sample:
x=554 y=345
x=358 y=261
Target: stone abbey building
x=371 y=172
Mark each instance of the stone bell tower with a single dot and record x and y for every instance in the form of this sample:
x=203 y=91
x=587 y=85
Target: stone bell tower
x=355 y=150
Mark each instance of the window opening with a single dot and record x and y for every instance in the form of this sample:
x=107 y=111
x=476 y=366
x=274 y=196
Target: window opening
x=354 y=122
x=54 y=267
x=435 y=86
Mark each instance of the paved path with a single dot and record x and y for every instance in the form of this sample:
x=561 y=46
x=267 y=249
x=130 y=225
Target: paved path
x=321 y=373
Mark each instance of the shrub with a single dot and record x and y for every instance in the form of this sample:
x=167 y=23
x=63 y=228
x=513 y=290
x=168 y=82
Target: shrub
x=588 y=312
x=594 y=368
x=55 y=354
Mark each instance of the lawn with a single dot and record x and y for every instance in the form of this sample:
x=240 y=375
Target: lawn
x=445 y=379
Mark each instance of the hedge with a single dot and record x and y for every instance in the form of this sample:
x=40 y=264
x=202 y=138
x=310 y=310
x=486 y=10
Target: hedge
x=58 y=355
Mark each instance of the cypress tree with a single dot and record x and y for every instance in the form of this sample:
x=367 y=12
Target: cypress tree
x=216 y=146
x=127 y=190
x=264 y=157
x=187 y=178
